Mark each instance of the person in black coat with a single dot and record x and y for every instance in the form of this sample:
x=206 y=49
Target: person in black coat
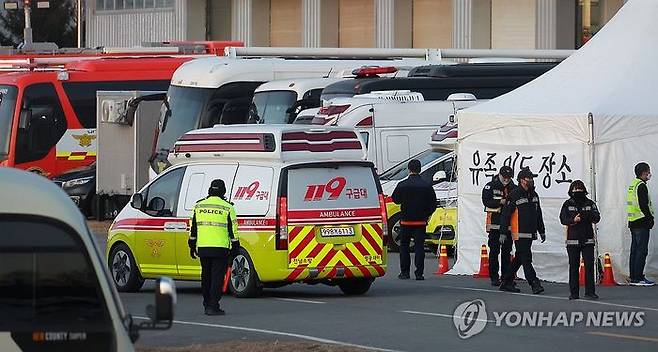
x=417 y=202
x=579 y=214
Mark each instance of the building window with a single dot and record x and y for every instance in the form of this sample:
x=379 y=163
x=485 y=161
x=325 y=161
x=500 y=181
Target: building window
x=591 y=15
x=118 y=5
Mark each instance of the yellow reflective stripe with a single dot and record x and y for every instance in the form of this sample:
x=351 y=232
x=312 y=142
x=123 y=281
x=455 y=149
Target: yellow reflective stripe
x=213 y=206
x=212 y=223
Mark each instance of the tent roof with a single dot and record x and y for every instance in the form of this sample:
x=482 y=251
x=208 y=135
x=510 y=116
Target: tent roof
x=614 y=74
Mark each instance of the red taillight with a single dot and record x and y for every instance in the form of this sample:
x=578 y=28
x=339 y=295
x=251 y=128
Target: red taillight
x=282 y=224
x=373 y=71
x=382 y=209
x=333 y=109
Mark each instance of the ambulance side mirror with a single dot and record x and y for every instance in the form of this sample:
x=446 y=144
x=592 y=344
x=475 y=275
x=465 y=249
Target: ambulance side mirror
x=439 y=176
x=137 y=201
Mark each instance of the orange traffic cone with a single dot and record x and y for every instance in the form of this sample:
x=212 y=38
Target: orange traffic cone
x=443 y=261
x=484 y=264
x=227 y=278
x=608 y=276
x=581 y=274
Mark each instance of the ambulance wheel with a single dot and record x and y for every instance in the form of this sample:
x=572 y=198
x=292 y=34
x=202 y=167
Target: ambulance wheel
x=244 y=279
x=123 y=269
x=355 y=287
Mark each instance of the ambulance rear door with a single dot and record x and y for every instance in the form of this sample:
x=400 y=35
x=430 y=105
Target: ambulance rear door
x=334 y=220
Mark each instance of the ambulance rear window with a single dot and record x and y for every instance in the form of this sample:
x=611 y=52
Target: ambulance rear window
x=332 y=187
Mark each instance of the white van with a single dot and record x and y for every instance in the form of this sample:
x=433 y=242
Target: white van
x=310 y=209
x=219 y=90
x=394 y=131
x=55 y=291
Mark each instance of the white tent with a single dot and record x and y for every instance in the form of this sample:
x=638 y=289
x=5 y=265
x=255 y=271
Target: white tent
x=593 y=118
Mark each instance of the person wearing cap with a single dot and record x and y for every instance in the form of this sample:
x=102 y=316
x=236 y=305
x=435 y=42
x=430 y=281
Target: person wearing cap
x=640 y=221
x=417 y=203
x=579 y=214
x=214 y=238
x=521 y=218
x=494 y=197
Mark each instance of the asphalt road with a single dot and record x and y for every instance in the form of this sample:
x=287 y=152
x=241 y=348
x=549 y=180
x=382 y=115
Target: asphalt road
x=406 y=315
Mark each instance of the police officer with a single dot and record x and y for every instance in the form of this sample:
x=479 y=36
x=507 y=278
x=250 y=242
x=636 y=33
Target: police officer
x=579 y=214
x=522 y=218
x=494 y=197
x=418 y=202
x=213 y=237
x=640 y=221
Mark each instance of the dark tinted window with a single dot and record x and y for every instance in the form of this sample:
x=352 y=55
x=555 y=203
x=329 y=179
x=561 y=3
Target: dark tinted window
x=82 y=95
x=46 y=279
x=166 y=187
x=7 y=104
x=46 y=126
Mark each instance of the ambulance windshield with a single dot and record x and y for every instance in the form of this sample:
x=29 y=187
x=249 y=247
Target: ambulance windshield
x=7 y=104
x=271 y=107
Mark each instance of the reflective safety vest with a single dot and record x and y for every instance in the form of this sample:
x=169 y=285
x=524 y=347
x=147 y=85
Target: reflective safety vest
x=212 y=222
x=633 y=203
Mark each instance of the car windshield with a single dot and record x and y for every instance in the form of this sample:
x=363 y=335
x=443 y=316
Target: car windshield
x=400 y=171
x=270 y=107
x=7 y=104
x=47 y=279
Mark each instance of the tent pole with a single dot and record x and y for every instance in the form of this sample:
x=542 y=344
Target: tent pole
x=592 y=175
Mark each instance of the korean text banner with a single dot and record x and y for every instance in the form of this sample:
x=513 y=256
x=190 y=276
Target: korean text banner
x=556 y=165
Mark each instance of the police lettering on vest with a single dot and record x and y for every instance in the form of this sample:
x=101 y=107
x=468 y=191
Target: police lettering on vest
x=212 y=217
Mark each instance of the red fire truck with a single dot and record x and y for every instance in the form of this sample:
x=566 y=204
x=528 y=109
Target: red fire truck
x=48 y=101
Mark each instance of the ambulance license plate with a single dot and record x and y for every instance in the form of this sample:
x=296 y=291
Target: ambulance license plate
x=336 y=231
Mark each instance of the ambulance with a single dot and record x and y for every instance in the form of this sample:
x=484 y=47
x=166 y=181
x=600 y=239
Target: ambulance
x=310 y=209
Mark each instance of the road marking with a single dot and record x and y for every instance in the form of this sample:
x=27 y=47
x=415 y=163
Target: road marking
x=450 y=316
x=628 y=337
x=300 y=300
x=279 y=333
x=552 y=297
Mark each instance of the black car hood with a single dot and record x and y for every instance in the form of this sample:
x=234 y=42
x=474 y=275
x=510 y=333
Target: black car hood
x=77 y=173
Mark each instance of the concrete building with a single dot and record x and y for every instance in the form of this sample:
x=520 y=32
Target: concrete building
x=529 y=24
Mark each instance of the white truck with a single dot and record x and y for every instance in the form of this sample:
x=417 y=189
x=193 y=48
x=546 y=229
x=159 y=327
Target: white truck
x=394 y=130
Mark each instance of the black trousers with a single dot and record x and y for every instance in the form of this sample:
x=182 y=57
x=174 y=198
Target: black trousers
x=418 y=234
x=574 y=253
x=496 y=249
x=213 y=270
x=523 y=258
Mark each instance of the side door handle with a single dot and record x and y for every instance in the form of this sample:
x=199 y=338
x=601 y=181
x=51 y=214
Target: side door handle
x=175 y=226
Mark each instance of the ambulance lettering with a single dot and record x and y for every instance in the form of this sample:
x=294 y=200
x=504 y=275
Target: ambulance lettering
x=251 y=192
x=338 y=214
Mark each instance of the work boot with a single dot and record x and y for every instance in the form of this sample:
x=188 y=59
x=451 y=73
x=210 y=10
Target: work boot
x=403 y=276
x=420 y=277
x=509 y=287
x=495 y=282
x=592 y=296
x=572 y=297
x=536 y=287
x=214 y=311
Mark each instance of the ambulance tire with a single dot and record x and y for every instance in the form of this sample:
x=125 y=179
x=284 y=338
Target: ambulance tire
x=244 y=279
x=124 y=270
x=355 y=287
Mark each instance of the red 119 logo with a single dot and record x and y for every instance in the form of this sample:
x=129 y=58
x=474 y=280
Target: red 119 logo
x=247 y=192
x=334 y=187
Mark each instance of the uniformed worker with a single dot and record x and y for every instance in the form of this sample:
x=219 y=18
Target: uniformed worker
x=417 y=203
x=579 y=214
x=640 y=221
x=214 y=238
x=522 y=218
x=494 y=197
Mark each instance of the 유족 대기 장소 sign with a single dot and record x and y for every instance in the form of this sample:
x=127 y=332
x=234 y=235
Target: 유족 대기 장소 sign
x=556 y=165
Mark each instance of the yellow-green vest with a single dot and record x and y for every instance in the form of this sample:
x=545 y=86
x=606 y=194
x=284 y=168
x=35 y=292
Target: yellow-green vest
x=212 y=222
x=633 y=203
